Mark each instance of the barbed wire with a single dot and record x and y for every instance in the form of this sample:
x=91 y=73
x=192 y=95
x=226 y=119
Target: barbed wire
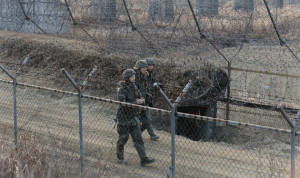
x=84 y=15
x=236 y=32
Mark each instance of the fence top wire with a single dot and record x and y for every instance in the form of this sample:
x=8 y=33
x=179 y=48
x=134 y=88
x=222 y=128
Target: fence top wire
x=145 y=27
x=180 y=114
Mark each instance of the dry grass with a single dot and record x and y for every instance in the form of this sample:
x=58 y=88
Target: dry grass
x=26 y=159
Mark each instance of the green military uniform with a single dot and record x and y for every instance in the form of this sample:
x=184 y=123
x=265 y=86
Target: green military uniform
x=128 y=122
x=151 y=79
x=142 y=83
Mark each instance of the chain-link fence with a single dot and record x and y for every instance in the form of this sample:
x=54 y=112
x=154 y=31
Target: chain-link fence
x=241 y=55
x=163 y=27
x=233 y=149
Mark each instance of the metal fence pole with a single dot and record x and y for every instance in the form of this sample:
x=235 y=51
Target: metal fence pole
x=15 y=111
x=80 y=118
x=15 y=95
x=80 y=131
x=79 y=89
x=293 y=140
x=163 y=95
x=228 y=91
x=171 y=168
x=173 y=124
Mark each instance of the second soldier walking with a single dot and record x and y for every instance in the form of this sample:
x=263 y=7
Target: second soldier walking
x=144 y=86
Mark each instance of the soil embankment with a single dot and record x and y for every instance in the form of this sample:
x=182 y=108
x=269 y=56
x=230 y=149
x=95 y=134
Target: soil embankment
x=50 y=54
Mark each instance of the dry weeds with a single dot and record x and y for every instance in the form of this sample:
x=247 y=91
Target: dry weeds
x=26 y=159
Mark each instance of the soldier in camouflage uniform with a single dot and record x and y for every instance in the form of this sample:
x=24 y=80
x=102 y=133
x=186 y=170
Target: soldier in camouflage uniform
x=127 y=117
x=151 y=78
x=143 y=85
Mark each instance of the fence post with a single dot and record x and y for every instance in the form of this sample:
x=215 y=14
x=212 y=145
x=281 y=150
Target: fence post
x=228 y=91
x=163 y=94
x=293 y=138
x=15 y=95
x=80 y=132
x=293 y=153
x=173 y=124
x=79 y=89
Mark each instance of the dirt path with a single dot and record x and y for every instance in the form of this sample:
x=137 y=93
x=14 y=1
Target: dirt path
x=53 y=119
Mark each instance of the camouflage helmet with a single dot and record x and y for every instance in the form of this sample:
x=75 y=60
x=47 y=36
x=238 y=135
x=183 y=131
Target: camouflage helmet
x=141 y=63
x=150 y=61
x=128 y=73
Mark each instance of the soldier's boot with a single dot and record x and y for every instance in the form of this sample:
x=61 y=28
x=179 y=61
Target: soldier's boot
x=146 y=161
x=154 y=137
x=120 y=157
x=150 y=131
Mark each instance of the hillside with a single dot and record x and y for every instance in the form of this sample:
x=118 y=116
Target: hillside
x=50 y=54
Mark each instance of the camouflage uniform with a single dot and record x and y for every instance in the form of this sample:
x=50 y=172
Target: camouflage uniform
x=128 y=123
x=142 y=83
x=151 y=79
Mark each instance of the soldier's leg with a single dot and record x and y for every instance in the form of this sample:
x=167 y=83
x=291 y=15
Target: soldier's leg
x=136 y=135
x=123 y=138
x=148 y=125
x=143 y=121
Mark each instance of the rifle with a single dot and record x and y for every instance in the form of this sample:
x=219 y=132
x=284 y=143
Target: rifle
x=149 y=99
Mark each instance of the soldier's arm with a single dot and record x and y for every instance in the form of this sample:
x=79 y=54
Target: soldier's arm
x=122 y=96
x=152 y=81
x=153 y=78
x=137 y=82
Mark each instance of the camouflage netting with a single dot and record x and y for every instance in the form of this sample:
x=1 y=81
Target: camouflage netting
x=208 y=81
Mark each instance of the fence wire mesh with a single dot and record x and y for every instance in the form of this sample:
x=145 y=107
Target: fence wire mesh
x=101 y=136
x=252 y=45
x=238 y=152
x=50 y=120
